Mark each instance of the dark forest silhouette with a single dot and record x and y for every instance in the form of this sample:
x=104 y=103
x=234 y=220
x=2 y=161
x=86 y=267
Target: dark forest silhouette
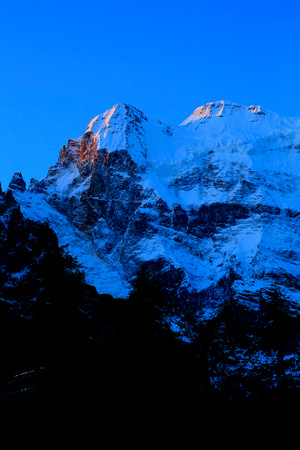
x=61 y=340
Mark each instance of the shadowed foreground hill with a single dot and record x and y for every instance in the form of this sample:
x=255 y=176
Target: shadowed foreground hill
x=62 y=342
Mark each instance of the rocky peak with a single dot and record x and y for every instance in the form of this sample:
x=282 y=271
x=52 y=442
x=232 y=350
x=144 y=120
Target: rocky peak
x=17 y=182
x=119 y=129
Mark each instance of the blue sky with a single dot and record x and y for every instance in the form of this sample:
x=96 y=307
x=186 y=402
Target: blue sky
x=64 y=62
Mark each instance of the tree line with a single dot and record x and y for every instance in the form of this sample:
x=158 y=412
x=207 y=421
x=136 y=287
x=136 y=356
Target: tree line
x=93 y=346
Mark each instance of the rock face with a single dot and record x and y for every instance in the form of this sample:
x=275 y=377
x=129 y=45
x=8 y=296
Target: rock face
x=17 y=182
x=213 y=205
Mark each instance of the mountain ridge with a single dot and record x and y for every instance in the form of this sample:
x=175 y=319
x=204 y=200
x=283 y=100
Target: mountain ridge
x=212 y=205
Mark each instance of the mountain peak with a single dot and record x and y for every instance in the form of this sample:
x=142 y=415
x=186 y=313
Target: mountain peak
x=119 y=113
x=220 y=108
x=202 y=202
x=17 y=182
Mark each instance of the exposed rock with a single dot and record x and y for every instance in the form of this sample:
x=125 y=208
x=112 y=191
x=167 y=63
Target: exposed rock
x=217 y=195
x=17 y=182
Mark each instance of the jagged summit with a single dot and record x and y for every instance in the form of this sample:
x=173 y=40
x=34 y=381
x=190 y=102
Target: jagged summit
x=17 y=182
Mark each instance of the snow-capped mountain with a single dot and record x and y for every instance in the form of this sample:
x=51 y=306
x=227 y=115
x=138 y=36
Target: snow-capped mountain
x=213 y=205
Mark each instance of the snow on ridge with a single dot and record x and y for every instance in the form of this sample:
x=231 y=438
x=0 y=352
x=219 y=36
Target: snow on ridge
x=116 y=113
x=99 y=272
x=236 y=112
x=221 y=124
x=223 y=134
x=219 y=108
x=223 y=153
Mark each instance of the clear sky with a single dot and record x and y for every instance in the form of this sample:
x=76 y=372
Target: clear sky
x=64 y=62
